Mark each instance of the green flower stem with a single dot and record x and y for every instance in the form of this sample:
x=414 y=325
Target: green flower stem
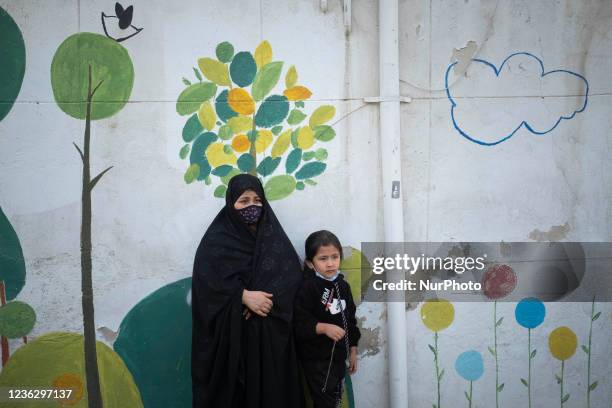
x=495 y=350
x=470 y=405
x=437 y=365
x=562 y=366
x=529 y=373
x=588 y=384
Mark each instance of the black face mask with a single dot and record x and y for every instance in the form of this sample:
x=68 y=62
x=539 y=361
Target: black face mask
x=250 y=214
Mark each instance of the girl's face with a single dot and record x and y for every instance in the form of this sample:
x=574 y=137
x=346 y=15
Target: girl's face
x=326 y=261
x=249 y=197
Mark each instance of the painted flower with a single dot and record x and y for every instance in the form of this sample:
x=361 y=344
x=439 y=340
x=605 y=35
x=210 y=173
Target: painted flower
x=530 y=312
x=498 y=281
x=437 y=314
x=469 y=365
x=562 y=343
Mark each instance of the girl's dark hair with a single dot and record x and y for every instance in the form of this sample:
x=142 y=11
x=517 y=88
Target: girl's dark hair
x=318 y=239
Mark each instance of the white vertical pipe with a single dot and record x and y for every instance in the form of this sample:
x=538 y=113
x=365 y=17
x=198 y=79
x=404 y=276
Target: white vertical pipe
x=391 y=172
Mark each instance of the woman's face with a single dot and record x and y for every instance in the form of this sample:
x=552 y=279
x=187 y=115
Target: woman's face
x=249 y=197
x=327 y=260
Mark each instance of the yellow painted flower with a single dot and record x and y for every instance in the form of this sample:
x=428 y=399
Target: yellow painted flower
x=240 y=101
x=562 y=343
x=305 y=138
x=297 y=93
x=241 y=143
x=437 y=314
x=217 y=157
x=263 y=140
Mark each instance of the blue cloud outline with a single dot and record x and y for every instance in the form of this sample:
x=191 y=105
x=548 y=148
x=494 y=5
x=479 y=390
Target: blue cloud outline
x=523 y=123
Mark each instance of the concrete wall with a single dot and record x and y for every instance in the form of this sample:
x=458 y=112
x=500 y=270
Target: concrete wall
x=147 y=221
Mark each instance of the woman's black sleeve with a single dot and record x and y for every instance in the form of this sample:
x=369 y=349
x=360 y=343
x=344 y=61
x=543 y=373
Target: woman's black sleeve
x=304 y=322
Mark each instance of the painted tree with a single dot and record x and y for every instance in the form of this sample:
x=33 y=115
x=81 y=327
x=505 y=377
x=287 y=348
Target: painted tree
x=12 y=62
x=237 y=125
x=92 y=78
x=16 y=318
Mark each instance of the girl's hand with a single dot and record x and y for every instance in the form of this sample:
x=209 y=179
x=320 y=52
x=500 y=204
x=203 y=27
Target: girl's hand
x=353 y=360
x=332 y=331
x=258 y=302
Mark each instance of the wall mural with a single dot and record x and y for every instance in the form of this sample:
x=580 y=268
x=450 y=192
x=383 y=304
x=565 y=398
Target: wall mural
x=530 y=70
x=92 y=77
x=235 y=126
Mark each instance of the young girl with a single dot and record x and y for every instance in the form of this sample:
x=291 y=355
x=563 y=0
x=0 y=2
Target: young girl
x=324 y=320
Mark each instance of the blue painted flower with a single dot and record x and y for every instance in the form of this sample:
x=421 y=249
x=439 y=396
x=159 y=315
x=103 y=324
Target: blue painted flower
x=469 y=365
x=530 y=312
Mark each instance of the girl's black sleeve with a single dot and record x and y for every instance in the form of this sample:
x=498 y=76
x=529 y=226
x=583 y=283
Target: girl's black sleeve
x=354 y=334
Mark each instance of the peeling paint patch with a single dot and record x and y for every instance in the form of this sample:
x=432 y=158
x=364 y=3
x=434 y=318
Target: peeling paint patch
x=555 y=233
x=463 y=56
x=109 y=335
x=369 y=344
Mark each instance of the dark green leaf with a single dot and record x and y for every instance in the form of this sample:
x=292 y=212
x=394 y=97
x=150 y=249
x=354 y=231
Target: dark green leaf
x=467 y=397
x=299 y=185
x=246 y=162
x=198 y=150
x=310 y=182
x=310 y=170
x=440 y=375
x=596 y=316
x=565 y=398
x=268 y=165
x=593 y=386
x=186 y=81
x=296 y=116
x=491 y=351
x=220 y=191
x=197 y=74
x=293 y=160
x=222 y=171
x=433 y=350
x=585 y=349
x=272 y=111
x=499 y=322
x=276 y=130
x=525 y=383
x=243 y=69
x=558 y=378
x=222 y=107
x=299 y=104
x=533 y=353
x=192 y=128
x=324 y=133
x=501 y=387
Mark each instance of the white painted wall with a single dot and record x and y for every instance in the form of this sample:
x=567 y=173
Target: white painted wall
x=147 y=222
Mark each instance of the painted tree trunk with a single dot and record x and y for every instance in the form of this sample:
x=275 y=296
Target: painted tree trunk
x=91 y=362
x=4 y=340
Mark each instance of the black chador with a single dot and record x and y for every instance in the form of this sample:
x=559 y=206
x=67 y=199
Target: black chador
x=238 y=363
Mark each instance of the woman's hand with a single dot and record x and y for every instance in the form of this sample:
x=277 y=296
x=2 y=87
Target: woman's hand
x=353 y=360
x=257 y=301
x=332 y=331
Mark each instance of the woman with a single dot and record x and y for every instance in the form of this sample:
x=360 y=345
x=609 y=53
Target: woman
x=245 y=276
